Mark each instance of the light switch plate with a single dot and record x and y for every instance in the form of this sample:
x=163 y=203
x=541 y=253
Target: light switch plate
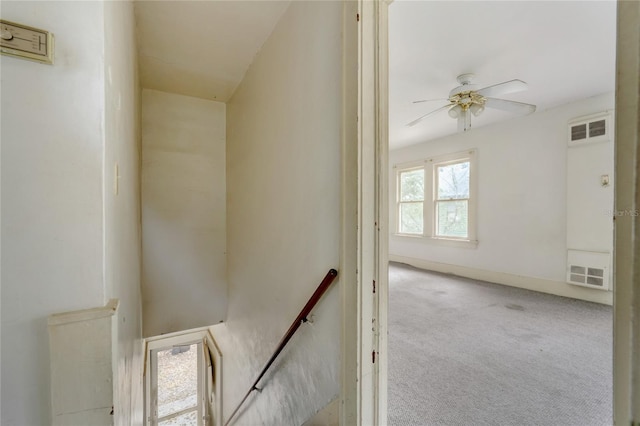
x=22 y=41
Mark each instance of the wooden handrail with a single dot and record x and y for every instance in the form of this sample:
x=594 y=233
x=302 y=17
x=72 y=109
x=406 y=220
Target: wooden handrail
x=302 y=317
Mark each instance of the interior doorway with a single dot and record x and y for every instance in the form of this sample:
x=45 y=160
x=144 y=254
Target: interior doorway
x=490 y=269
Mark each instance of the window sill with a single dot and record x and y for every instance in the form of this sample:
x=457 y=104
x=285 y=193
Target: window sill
x=444 y=242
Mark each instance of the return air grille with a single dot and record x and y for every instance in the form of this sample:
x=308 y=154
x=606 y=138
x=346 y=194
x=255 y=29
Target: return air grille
x=589 y=269
x=585 y=275
x=593 y=128
x=597 y=128
x=578 y=132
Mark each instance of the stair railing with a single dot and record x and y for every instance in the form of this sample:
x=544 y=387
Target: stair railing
x=301 y=318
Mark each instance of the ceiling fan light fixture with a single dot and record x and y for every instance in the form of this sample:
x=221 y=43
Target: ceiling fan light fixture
x=476 y=109
x=455 y=111
x=469 y=99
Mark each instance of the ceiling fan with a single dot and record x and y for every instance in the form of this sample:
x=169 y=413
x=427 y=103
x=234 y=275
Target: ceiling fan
x=468 y=99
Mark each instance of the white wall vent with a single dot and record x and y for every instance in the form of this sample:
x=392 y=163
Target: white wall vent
x=590 y=129
x=588 y=269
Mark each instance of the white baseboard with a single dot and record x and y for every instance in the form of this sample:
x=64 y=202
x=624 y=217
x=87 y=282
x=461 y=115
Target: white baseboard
x=557 y=288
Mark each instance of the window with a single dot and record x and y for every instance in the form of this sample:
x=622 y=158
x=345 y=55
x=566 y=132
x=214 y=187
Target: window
x=435 y=198
x=181 y=380
x=176 y=386
x=411 y=203
x=452 y=199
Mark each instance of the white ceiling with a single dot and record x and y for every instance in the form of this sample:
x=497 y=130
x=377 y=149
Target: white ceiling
x=201 y=48
x=564 y=50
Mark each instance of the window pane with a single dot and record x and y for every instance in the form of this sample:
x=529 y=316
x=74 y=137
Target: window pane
x=453 y=181
x=177 y=379
x=412 y=185
x=187 y=419
x=452 y=219
x=411 y=218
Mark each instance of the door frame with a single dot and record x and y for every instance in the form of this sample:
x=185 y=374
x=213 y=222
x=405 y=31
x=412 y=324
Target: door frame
x=626 y=274
x=364 y=260
x=364 y=381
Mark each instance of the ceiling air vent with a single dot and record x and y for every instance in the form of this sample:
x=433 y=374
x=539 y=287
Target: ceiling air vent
x=589 y=129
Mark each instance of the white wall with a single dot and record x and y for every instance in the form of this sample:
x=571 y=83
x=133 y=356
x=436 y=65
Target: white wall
x=68 y=242
x=123 y=256
x=83 y=347
x=183 y=212
x=52 y=229
x=283 y=204
x=522 y=231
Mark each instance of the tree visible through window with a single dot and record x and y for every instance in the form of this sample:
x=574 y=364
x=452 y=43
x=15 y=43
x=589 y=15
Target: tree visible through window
x=452 y=200
x=411 y=201
x=436 y=199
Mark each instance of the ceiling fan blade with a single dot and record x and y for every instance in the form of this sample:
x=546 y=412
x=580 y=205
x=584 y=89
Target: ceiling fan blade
x=416 y=121
x=429 y=100
x=510 y=106
x=499 y=89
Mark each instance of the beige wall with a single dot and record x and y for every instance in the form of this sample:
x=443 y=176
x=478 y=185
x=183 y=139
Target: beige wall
x=183 y=212
x=284 y=225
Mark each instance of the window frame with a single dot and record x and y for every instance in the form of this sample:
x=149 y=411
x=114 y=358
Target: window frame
x=209 y=394
x=405 y=169
x=154 y=419
x=429 y=227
